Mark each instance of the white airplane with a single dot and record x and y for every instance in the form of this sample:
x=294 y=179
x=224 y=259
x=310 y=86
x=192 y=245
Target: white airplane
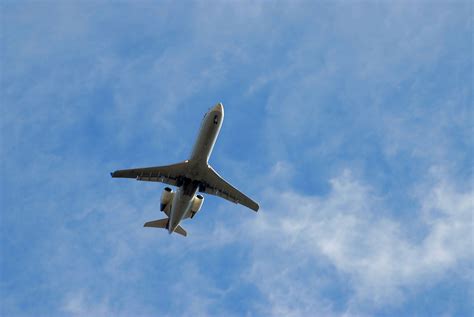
x=190 y=176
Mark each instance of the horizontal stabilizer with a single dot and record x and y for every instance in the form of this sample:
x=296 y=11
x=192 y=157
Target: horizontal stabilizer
x=163 y=223
x=180 y=230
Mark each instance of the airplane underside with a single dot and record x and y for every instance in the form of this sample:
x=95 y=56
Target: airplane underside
x=190 y=177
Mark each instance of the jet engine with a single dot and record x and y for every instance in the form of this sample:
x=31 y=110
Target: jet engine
x=196 y=205
x=166 y=198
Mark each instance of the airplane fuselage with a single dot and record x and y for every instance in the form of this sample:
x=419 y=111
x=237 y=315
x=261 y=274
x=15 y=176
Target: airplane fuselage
x=190 y=176
x=197 y=165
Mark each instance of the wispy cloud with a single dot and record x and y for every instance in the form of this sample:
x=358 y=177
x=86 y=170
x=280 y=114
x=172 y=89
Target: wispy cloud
x=356 y=124
x=300 y=242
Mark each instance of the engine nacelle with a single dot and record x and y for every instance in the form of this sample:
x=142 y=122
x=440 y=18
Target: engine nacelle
x=166 y=197
x=196 y=205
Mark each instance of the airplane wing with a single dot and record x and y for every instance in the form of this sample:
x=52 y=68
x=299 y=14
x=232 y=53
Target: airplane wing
x=214 y=184
x=169 y=174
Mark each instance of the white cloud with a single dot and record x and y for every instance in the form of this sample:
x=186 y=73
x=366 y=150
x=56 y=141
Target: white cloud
x=306 y=250
x=78 y=304
x=298 y=239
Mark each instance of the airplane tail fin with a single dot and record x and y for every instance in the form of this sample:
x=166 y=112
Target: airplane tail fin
x=163 y=223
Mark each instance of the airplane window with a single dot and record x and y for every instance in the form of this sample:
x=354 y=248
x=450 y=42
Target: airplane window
x=215 y=119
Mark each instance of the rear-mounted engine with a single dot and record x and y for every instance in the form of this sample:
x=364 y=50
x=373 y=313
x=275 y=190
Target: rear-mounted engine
x=166 y=198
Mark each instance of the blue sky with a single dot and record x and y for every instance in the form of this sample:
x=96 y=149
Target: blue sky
x=350 y=122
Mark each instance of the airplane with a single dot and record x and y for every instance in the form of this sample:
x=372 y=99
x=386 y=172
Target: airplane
x=190 y=177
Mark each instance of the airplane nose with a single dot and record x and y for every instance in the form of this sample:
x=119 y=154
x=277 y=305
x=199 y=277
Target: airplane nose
x=219 y=107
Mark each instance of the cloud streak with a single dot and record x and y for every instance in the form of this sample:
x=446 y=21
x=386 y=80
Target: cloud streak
x=356 y=125
x=347 y=236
